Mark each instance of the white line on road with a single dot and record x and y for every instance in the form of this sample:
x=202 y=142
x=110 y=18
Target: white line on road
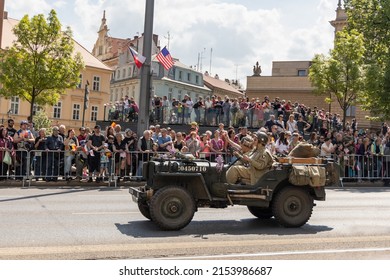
x=285 y=253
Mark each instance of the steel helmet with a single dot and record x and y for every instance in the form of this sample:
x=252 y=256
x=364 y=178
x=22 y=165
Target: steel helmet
x=262 y=137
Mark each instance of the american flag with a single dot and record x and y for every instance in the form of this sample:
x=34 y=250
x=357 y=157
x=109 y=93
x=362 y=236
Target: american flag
x=165 y=58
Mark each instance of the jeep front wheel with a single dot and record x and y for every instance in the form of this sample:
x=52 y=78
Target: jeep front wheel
x=172 y=208
x=292 y=206
x=261 y=213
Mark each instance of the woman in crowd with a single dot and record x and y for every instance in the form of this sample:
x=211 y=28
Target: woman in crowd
x=193 y=144
x=205 y=147
x=6 y=146
x=71 y=143
x=216 y=145
x=281 y=145
x=179 y=142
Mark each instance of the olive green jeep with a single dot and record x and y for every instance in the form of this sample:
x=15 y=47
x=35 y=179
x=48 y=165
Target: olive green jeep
x=176 y=188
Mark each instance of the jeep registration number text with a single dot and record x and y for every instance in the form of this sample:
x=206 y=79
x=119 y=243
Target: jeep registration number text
x=189 y=168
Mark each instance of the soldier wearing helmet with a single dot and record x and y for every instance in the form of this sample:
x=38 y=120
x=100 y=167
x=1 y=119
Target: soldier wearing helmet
x=252 y=166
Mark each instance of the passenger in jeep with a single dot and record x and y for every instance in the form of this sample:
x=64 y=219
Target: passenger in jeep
x=252 y=167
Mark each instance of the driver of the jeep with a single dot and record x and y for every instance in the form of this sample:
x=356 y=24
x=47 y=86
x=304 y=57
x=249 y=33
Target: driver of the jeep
x=252 y=166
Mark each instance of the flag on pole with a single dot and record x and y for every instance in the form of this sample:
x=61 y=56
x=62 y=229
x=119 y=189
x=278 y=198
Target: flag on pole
x=138 y=59
x=165 y=58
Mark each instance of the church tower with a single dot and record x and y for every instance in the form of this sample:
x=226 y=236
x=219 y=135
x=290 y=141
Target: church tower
x=341 y=18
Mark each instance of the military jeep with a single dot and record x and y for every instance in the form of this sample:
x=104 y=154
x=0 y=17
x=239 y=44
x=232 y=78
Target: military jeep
x=176 y=188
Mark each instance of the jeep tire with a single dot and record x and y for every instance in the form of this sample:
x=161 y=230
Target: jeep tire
x=292 y=206
x=143 y=207
x=172 y=208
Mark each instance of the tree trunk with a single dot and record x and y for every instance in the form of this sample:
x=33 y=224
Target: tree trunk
x=32 y=103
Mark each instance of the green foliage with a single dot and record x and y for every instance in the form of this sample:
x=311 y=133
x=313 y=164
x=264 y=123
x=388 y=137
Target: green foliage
x=41 y=120
x=341 y=74
x=372 y=19
x=40 y=65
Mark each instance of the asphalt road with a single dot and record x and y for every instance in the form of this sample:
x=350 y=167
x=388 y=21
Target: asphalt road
x=63 y=223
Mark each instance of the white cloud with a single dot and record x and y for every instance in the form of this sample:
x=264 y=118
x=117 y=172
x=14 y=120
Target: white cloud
x=239 y=32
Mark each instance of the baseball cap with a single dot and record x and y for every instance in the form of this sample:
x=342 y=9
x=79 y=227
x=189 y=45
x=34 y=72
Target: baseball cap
x=24 y=122
x=97 y=126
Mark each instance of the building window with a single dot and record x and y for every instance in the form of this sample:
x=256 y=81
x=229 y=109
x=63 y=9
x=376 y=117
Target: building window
x=189 y=77
x=76 y=112
x=36 y=109
x=197 y=79
x=180 y=75
x=129 y=71
x=179 y=95
x=351 y=111
x=100 y=50
x=123 y=73
x=15 y=105
x=57 y=110
x=94 y=113
x=302 y=73
x=170 y=93
x=96 y=83
x=80 y=84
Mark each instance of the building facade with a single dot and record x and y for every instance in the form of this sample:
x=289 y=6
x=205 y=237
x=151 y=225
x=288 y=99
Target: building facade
x=176 y=82
x=69 y=109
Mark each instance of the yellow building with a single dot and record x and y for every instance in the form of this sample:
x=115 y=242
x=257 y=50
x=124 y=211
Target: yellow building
x=69 y=110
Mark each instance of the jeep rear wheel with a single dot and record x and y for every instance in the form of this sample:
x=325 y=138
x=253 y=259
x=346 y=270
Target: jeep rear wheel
x=292 y=206
x=144 y=209
x=172 y=208
x=261 y=213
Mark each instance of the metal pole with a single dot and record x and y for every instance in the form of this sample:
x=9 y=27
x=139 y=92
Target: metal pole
x=145 y=91
x=1 y=20
x=84 y=103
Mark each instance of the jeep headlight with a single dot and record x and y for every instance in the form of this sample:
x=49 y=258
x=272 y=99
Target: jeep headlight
x=174 y=167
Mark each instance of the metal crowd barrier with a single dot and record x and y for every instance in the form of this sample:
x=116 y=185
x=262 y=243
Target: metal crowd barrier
x=117 y=167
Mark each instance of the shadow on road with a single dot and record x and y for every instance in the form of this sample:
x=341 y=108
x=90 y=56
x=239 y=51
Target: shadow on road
x=200 y=229
x=62 y=191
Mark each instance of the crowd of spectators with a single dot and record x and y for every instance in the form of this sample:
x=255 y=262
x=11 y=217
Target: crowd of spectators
x=91 y=153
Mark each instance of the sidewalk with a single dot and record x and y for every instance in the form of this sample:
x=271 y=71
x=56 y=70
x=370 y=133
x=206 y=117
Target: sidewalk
x=68 y=184
x=126 y=184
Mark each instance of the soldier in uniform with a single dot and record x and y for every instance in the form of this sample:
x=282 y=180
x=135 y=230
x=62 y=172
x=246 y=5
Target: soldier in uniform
x=252 y=166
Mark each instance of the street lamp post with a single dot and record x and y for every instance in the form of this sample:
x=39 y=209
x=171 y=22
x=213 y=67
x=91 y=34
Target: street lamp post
x=143 y=116
x=86 y=99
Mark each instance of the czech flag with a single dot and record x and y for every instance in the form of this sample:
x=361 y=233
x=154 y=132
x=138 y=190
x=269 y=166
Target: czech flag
x=138 y=59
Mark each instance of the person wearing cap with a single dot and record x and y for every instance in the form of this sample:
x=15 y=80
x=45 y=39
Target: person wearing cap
x=252 y=166
x=95 y=144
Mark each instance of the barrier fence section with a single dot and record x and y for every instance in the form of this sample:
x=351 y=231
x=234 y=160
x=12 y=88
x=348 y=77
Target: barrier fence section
x=115 y=167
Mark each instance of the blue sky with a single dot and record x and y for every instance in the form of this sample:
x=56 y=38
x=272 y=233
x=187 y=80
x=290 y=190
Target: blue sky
x=239 y=32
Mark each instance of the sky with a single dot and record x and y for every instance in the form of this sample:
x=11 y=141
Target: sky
x=239 y=32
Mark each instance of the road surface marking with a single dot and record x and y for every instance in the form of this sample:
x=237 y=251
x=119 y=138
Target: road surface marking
x=11 y=252
x=284 y=253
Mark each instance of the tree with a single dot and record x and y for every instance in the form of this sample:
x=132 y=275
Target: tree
x=40 y=65
x=341 y=75
x=372 y=19
x=41 y=120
